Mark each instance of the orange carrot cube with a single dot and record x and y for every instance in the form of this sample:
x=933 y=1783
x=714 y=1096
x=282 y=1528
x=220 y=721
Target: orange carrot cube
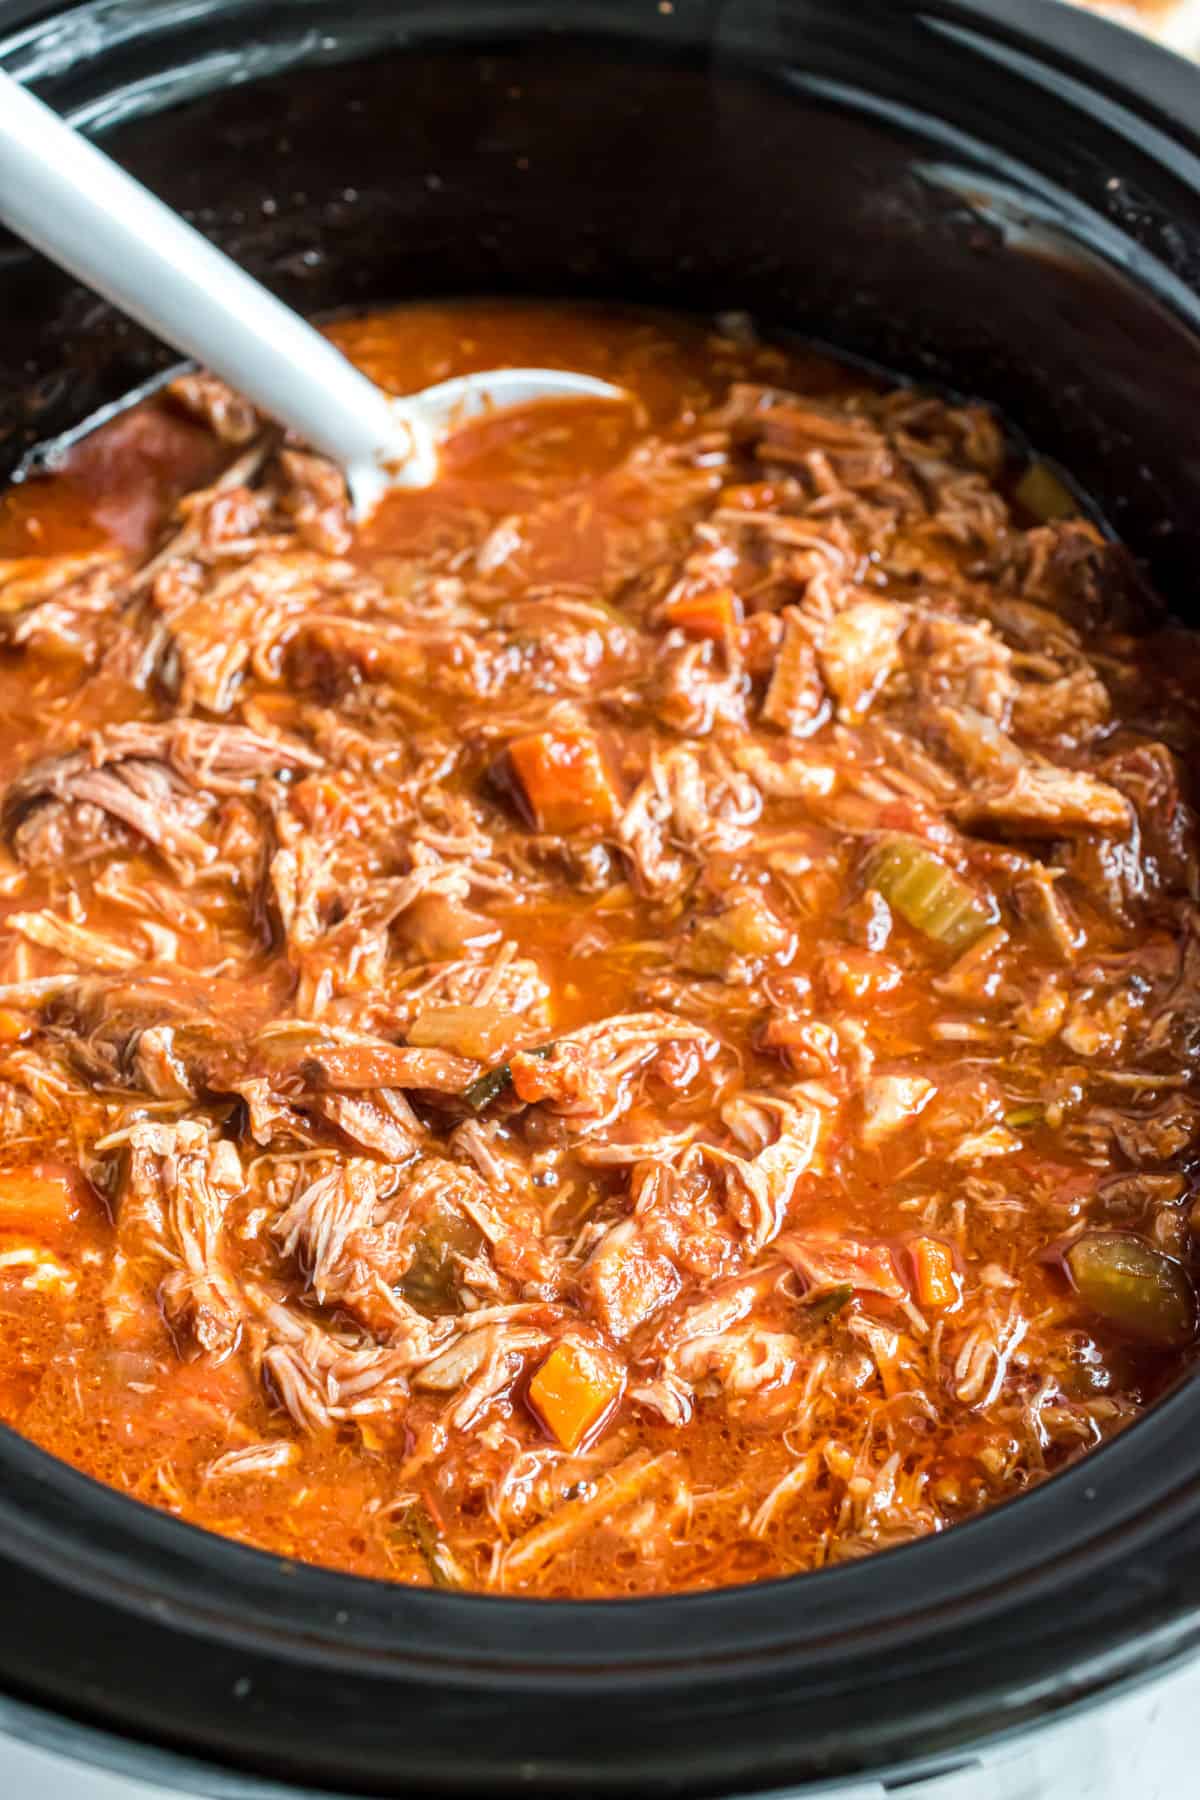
x=563 y=779
x=573 y=1390
x=936 y=1277
x=711 y=615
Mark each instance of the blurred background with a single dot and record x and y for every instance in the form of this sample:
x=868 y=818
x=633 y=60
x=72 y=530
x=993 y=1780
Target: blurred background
x=1175 y=22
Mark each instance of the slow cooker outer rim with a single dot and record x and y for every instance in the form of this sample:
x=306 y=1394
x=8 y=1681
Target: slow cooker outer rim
x=43 y=43
x=90 y=1538
x=1124 y=1617
x=99 y=1746
x=46 y=1508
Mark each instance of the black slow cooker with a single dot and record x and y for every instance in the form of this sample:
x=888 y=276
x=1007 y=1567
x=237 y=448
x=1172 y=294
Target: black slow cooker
x=998 y=196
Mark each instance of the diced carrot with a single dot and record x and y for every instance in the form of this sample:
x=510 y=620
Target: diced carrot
x=935 y=1273
x=13 y=1025
x=711 y=615
x=39 y=1198
x=564 y=780
x=574 y=1389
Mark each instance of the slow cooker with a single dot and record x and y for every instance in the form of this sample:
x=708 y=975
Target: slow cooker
x=1001 y=197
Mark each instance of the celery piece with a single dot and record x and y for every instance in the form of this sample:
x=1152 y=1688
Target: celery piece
x=1044 y=494
x=1134 y=1287
x=930 y=895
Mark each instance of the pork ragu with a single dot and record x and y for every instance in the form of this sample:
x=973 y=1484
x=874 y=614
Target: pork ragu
x=630 y=1025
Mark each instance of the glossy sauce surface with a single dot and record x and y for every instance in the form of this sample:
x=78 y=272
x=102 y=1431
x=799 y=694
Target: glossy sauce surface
x=628 y=1026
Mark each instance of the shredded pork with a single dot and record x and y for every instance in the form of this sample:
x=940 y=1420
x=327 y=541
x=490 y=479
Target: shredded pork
x=588 y=1021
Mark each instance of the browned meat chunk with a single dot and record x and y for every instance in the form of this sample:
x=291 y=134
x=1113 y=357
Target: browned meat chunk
x=1043 y=801
x=625 y=1283
x=859 y=650
x=795 y=699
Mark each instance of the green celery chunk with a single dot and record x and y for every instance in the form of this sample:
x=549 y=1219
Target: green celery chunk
x=444 y=1241
x=490 y=1085
x=1134 y=1288
x=929 y=895
x=1044 y=494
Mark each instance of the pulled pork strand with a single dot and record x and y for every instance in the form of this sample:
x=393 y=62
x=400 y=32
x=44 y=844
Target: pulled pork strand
x=628 y=1028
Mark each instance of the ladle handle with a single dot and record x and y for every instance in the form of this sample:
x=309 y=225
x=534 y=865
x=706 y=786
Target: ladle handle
x=69 y=200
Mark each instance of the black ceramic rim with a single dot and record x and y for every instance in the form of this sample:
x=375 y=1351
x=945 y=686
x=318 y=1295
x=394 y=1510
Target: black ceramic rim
x=1075 y=1528
x=1082 y=1553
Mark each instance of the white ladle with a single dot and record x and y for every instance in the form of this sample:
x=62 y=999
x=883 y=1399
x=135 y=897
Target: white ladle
x=73 y=203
